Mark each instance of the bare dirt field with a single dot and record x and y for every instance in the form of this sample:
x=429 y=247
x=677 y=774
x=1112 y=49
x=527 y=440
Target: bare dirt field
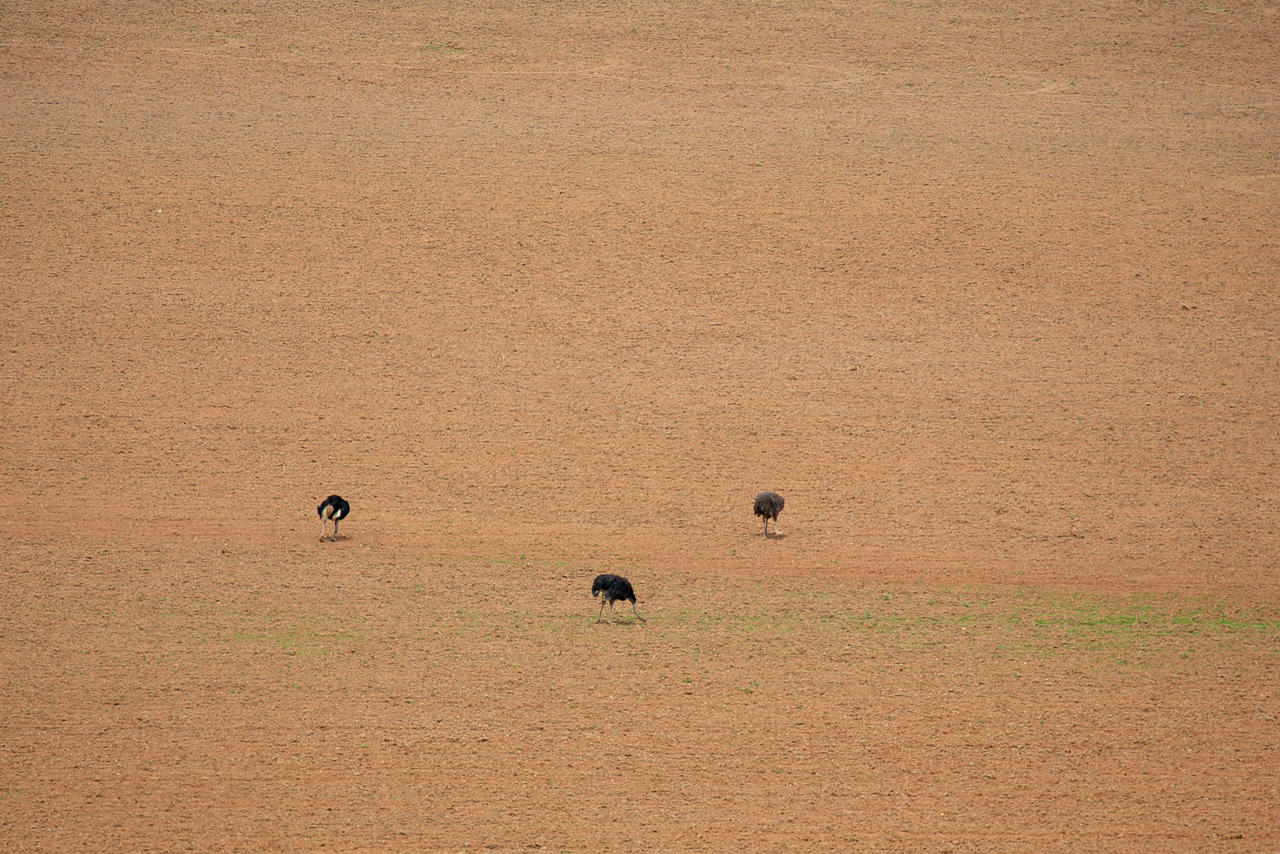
x=988 y=290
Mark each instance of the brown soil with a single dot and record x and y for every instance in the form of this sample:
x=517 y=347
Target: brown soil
x=986 y=290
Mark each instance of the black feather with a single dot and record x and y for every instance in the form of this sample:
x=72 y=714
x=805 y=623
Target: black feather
x=340 y=508
x=614 y=587
x=769 y=505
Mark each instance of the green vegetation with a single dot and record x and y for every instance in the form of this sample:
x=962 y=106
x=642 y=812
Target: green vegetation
x=246 y=620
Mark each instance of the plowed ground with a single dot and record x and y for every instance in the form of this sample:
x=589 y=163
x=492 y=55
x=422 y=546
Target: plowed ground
x=986 y=290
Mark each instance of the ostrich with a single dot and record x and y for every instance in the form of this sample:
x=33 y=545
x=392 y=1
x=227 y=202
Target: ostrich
x=333 y=508
x=614 y=587
x=769 y=505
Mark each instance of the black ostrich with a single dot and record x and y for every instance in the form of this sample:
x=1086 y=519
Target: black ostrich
x=769 y=505
x=614 y=588
x=333 y=508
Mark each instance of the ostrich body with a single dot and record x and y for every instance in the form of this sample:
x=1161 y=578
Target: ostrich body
x=335 y=508
x=769 y=505
x=612 y=588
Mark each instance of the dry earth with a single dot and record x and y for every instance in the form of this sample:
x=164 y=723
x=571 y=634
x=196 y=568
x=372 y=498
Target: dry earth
x=987 y=290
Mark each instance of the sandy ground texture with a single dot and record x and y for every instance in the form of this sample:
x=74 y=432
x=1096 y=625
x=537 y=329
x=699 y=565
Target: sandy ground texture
x=987 y=290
